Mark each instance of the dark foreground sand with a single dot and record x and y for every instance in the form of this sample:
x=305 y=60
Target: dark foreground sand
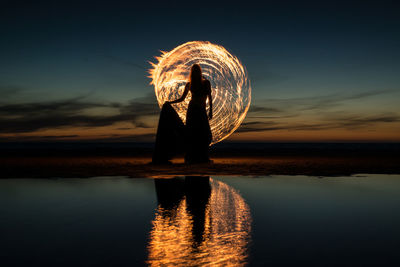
x=50 y=167
x=134 y=160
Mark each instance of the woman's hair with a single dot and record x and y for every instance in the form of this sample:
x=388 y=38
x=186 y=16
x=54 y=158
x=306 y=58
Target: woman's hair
x=195 y=75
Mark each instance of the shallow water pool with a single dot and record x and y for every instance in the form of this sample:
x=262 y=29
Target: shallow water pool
x=183 y=221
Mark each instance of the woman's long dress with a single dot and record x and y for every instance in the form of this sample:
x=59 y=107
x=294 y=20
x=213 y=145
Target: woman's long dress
x=170 y=135
x=198 y=131
x=194 y=138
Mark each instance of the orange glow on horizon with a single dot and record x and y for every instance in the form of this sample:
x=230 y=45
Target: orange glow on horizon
x=383 y=132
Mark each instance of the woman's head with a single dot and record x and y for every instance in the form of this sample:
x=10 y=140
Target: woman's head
x=195 y=74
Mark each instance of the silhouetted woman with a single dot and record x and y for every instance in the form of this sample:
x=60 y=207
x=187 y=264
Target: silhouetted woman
x=195 y=137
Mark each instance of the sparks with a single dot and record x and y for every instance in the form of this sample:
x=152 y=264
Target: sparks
x=231 y=90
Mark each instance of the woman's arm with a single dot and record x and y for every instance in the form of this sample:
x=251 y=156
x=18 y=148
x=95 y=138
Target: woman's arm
x=183 y=95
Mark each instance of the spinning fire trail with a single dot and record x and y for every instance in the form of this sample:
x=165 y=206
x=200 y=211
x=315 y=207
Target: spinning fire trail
x=231 y=90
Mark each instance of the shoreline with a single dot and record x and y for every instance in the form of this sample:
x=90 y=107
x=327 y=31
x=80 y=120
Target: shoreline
x=81 y=160
x=141 y=167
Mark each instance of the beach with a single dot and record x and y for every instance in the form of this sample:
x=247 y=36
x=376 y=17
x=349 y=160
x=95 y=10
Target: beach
x=231 y=159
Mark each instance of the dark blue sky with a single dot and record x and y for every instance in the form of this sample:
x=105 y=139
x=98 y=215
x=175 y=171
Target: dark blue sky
x=297 y=54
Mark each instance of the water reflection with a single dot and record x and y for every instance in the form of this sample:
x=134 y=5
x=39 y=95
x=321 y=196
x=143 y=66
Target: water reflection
x=199 y=221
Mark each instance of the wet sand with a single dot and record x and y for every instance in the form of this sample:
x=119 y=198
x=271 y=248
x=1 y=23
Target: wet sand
x=58 y=167
x=57 y=160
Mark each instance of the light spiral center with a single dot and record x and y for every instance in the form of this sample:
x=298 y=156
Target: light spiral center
x=231 y=90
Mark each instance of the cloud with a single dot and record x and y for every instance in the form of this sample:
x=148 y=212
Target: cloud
x=129 y=138
x=260 y=126
x=101 y=138
x=349 y=122
x=30 y=117
x=262 y=109
x=287 y=114
x=325 y=102
x=265 y=115
x=318 y=102
x=358 y=121
x=9 y=91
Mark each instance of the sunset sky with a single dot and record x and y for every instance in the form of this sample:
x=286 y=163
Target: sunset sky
x=319 y=71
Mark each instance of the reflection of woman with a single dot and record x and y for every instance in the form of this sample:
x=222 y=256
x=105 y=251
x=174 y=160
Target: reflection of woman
x=199 y=222
x=196 y=133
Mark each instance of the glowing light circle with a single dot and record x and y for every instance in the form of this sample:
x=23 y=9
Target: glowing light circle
x=231 y=89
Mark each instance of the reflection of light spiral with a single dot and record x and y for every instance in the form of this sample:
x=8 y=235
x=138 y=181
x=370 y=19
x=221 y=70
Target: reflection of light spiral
x=231 y=90
x=227 y=229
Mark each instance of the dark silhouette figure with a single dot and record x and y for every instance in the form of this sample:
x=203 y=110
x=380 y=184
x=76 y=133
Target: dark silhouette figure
x=170 y=192
x=170 y=133
x=196 y=189
x=195 y=137
x=198 y=192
